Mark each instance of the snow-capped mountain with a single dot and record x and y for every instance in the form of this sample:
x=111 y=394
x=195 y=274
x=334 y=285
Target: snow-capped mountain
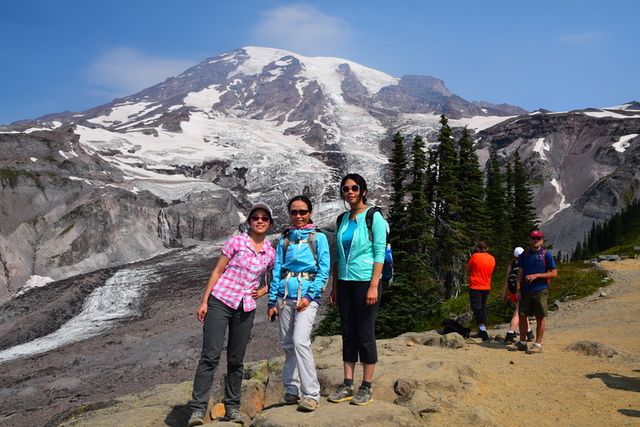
x=181 y=161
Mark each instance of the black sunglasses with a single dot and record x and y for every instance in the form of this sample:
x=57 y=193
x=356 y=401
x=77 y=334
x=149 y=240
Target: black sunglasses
x=535 y=238
x=262 y=218
x=302 y=212
x=355 y=188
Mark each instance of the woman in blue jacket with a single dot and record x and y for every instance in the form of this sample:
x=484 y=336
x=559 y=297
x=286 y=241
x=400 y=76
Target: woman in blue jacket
x=300 y=273
x=358 y=266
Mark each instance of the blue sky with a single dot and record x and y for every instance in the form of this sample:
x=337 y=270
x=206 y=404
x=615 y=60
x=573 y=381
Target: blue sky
x=559 y=55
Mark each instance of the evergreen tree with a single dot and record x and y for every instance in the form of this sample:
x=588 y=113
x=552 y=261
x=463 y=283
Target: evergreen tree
x=448 y=235
x=473 y=214
x=397 y=211
x=496 y=202
x=523 y=217
x=413 y=299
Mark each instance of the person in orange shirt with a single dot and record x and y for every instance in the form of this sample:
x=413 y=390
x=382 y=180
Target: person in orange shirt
x=480 y=268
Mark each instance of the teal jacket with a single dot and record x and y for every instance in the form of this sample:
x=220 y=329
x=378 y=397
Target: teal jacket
x=364 y=252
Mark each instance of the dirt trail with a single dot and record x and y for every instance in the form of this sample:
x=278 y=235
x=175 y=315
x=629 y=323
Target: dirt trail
x=561 y=387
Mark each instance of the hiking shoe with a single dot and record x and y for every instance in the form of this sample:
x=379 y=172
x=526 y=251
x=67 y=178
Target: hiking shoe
x=362 y=397
x=344 y=392
x=530 y=336
x=534 y=349
x=510 y=338
x=234 y=416
x=196 y=419
x=481 y=334
x=289 y=399
x=308 y=404
x=518 y=347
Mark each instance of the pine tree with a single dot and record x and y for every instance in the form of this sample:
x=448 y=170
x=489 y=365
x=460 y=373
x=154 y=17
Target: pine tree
x=473 y=213
x=496 y=202
x=397 y=211
x=448 y=235
x=523 y=216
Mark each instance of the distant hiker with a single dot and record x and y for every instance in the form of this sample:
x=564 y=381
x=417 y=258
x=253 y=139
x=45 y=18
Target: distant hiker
x=300 y=273
x=536 y=268
x=356 y=287
x=229 y=302
x=480 y=268
x=510 y=295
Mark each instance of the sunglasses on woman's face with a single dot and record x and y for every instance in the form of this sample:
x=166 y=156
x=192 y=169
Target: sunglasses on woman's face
x=301 y=212
x=354 y=188
x=262 y=218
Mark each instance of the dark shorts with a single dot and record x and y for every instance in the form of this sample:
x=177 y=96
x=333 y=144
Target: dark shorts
x=534 y=303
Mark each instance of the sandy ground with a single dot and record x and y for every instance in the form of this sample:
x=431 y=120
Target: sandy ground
x=567 y=388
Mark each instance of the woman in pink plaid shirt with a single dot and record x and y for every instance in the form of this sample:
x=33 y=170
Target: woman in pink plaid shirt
x=229 y=301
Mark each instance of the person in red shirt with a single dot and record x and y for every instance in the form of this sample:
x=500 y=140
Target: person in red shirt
x=480 y=268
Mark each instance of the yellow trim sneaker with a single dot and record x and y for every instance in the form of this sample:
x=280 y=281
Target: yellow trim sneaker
x=362 y=397
x=343 y=393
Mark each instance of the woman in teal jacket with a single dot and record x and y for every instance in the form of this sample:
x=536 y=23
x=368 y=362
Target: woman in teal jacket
x=300 y=273
x=356 y=290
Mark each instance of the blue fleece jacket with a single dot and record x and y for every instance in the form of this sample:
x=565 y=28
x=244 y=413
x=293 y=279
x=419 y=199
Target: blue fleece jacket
x=299 y=258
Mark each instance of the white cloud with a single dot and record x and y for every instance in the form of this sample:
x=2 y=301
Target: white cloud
x=124 y=71
x=303 y=29
x=582 y=38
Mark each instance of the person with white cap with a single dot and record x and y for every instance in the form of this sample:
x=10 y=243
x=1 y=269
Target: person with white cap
x=229 y=303
x=510 y=295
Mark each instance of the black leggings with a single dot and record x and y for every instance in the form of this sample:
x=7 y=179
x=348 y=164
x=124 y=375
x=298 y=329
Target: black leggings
x=358 y=322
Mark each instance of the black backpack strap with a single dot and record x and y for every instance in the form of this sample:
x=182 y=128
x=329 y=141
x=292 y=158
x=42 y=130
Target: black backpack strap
x=369 y=219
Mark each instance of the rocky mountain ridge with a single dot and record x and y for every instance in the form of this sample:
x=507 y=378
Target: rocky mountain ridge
x=178 y=163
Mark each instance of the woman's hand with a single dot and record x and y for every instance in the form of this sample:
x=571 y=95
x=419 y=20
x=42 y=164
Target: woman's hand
x=303 y=304
x=333 y=297
x=372 y=295
x=257 y=293
x=272 y=313
x=201 y=313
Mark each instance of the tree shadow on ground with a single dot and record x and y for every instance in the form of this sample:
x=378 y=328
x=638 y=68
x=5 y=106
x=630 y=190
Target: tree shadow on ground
x=618 y=382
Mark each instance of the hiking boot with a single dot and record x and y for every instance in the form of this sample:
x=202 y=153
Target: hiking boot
x=518 y=347
x=530 y=336
x=289 y=399
x=344 y=392
x=308 y=404
x=481 y=334
x=534 y=349
x=234 y=416
x=510 y=338
x=362 y=397
x=196 y=419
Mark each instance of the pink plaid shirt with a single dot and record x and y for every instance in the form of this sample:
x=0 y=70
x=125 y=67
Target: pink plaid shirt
x=242 y=274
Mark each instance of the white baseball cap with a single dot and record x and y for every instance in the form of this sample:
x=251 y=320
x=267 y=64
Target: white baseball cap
x=518 y=251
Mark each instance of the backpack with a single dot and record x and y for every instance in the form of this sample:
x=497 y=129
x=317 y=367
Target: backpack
x=513 y=277
x=451 y=325
x=387 y=267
